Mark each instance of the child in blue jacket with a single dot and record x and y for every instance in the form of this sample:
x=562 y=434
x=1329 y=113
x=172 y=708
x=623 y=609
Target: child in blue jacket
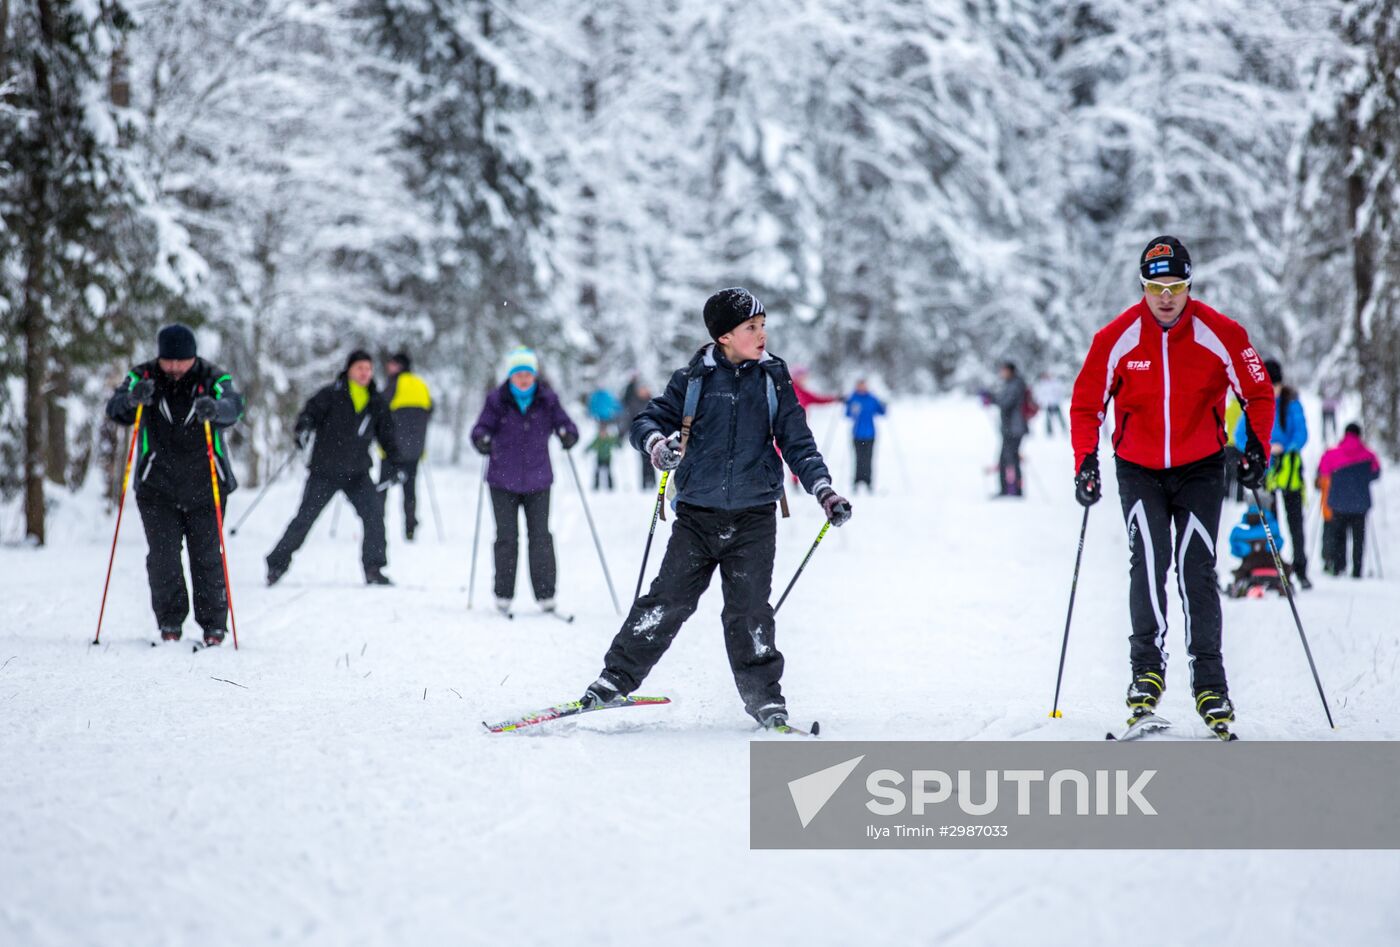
x=715 y=426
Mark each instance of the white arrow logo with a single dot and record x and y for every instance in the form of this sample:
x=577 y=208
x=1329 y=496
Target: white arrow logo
x=812 y=792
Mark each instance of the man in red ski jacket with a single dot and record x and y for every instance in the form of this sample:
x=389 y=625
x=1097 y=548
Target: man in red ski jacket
x=1166 y=364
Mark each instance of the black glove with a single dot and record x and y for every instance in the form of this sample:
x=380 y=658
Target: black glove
x=1088 y=484
x=482 y=444
x=836 y=507
x=303 y=437
x=205 y=408
x=1253 y=465
x=567 y=437
x=144 y=392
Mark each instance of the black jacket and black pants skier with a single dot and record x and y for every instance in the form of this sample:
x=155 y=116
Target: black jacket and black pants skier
x=726 y=487
x=411 y=405
x=340 y=461
x=173 y=488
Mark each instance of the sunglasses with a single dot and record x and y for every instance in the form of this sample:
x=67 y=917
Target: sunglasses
x=1155 y=288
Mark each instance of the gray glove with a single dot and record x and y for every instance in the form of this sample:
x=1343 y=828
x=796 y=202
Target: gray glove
x=665 y=452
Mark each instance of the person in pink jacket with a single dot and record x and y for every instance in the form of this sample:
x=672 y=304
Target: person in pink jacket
x=1349 y=468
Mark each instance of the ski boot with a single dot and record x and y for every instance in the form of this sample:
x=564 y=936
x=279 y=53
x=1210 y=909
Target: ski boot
x=1143 y=694
x=213 y=637
x=773 y=717
x=1216 y=710
x=170 y=632
x=376 y=577
x=600 y=693
x=547 y=605
x=503 y=606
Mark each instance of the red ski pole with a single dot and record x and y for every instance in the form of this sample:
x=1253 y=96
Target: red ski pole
x=121 y=505
x=219 y=520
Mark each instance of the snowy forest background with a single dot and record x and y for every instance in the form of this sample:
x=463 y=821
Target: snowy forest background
x=915 y=188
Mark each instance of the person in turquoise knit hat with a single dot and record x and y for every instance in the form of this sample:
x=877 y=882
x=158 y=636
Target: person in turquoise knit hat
x=513 y=430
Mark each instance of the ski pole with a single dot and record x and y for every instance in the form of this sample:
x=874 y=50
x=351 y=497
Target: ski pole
x=432 y=500
x=121 y=505
x=219 y=522
x=1288 y=591
x=1073 y=587
x=261 y=493
x=476 y=533
x=805 y=559
x=591 y=528
x=655 y=515
x=335 y=514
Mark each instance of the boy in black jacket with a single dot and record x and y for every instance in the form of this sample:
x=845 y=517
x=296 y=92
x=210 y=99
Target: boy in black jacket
x=715 y=426
x=179 y=392
x=345 y=417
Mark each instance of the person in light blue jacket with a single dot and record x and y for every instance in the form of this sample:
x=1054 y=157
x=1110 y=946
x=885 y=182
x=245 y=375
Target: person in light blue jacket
x=1286 y=476
x=862 y=408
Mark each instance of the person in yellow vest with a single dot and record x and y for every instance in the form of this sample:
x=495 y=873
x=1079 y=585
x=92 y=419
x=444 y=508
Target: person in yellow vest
x=411 y=405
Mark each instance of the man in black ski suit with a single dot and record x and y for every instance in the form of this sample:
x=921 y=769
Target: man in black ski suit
x=341 y=421
x=179 y=392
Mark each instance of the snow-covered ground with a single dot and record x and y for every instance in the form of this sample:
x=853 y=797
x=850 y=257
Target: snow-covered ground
x=331 y=782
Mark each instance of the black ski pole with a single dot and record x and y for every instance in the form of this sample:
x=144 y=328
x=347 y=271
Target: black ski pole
x=655 y=515
x=591 y=528
x=1073 y=587
x=476 y=533
x=1288 y=591
x=805 y=559
x=261 y=493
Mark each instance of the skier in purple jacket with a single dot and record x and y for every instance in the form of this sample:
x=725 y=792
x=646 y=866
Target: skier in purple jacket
x=513 y=431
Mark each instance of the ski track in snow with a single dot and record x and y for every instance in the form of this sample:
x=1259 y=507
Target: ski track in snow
x=328 y=800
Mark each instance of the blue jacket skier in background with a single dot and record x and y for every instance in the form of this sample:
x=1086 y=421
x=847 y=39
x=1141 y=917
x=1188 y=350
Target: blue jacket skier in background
x=862 y=408
x=715 y=426
x=1290 y=436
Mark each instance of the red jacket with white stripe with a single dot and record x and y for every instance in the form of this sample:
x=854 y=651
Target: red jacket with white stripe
x=1168 y=387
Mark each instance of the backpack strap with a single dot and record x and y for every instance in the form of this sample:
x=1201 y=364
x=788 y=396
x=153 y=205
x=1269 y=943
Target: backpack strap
x=692 y=404
x=772 y=418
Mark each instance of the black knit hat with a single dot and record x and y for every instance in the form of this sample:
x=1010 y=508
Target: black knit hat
x=359 y=355
x=1275 y=371
x=404 y=361
x=175 y=341
x=730 y=308
x=1165 y=256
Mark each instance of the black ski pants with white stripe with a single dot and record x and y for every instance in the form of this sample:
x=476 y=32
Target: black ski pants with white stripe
x=741 y=543
x=1185 y=500
x=170 y=526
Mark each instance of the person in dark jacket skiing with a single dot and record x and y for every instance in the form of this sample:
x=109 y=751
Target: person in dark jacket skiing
x=1010 y=400
x=514 y=430
x=1166 y=363
x=181 y=391
x=411 y=405
x=715 y=426
x=635 y=398
x=340 y=422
